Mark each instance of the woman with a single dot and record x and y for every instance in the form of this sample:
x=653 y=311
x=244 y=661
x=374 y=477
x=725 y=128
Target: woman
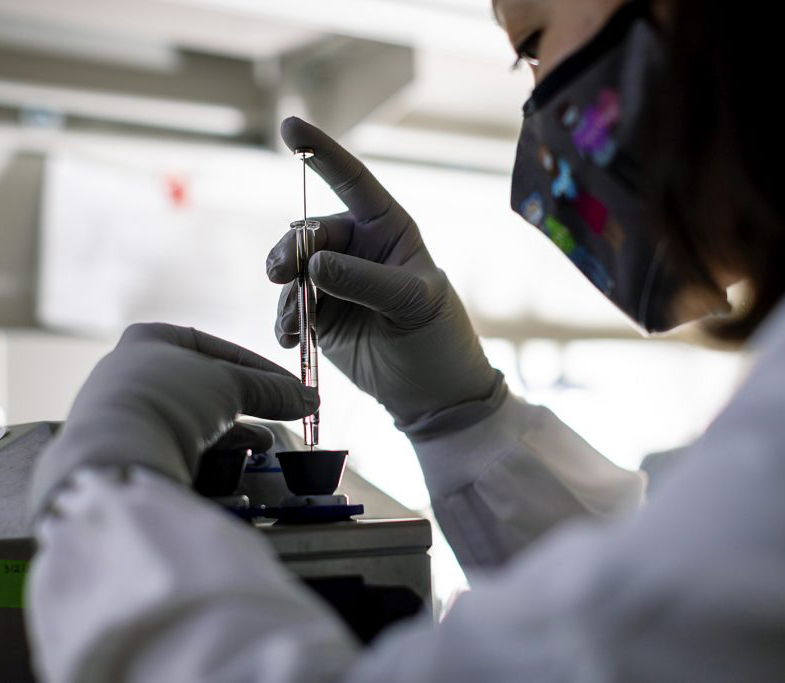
x=687 y=588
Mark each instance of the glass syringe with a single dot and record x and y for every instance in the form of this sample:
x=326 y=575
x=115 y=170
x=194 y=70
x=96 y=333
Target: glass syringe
x=306 y=315
x=306 y=307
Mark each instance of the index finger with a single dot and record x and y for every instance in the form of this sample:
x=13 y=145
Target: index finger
x=334 y=234
x=363 y=195
x=201 y=342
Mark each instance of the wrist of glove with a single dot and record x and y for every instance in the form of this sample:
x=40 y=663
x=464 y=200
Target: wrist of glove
x=421 y=359
x=388 y=318
x=160 y=399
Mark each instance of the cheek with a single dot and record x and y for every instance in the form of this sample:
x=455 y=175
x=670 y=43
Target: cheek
x=571 y=25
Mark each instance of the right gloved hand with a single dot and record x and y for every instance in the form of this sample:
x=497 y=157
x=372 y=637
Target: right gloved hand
x=388 y=318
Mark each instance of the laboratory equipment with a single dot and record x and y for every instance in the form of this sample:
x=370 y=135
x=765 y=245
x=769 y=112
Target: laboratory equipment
x=306 y=306
x=293 y=486
x=306 y=475
x=313 y=477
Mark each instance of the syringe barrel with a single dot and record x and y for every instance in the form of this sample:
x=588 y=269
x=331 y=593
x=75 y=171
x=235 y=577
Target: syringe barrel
x=305 y=232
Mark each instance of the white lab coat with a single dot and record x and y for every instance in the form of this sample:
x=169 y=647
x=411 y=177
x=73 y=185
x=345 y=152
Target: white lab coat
x=139 y=580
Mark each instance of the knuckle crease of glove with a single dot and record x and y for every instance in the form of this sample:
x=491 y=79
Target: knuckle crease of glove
x=381 y=215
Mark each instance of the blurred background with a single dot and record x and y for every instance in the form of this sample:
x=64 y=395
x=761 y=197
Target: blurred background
x=142 y=178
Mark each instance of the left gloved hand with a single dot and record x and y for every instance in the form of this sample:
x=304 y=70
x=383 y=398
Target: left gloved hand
x=161 y=398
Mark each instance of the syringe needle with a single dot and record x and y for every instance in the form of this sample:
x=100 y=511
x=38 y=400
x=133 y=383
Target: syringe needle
x=303 y=157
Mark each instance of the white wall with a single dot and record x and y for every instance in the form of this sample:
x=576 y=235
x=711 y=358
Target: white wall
x=40 y=372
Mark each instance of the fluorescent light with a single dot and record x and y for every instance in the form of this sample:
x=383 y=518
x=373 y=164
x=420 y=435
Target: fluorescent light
x=147 y=111
x=391 y=21
x=431 y=146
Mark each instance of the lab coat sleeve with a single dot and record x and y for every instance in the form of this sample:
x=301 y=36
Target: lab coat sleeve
x=138 y=580
x=498 y=485
x=687 y=588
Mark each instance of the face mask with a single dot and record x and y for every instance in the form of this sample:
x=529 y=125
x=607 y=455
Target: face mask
x=577 y=174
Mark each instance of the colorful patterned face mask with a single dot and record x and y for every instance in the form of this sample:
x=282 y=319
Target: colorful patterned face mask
x=577 y=172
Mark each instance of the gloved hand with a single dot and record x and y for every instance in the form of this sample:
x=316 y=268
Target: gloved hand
x=160 y=399
x=388 y=318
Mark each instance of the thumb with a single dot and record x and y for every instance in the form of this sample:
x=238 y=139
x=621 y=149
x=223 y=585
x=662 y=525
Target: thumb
x=390 y=290
x=243 y=436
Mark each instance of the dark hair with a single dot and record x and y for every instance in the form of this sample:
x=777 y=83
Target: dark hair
x=717 y=181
